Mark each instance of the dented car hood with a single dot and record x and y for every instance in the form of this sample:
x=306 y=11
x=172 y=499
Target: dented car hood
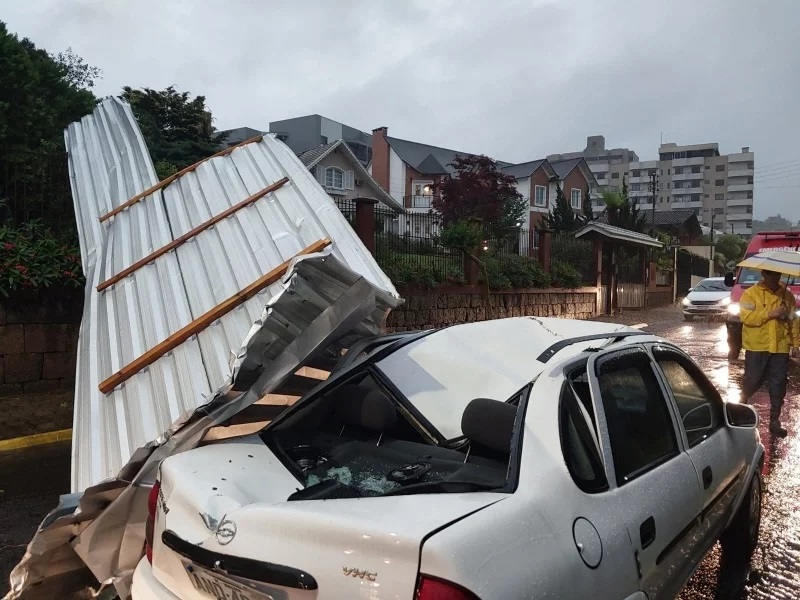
x=177 y=343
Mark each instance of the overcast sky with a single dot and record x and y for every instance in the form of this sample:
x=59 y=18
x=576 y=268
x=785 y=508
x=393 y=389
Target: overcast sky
x=514 y=80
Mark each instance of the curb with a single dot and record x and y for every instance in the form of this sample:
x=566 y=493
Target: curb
x=36 y=440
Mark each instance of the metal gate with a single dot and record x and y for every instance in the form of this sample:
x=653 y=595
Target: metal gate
x=688 y=269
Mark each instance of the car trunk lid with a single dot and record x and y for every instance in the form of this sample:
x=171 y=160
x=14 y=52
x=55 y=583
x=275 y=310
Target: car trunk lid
x=223 y=519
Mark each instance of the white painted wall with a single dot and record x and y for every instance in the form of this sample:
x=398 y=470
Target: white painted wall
x=397 y=176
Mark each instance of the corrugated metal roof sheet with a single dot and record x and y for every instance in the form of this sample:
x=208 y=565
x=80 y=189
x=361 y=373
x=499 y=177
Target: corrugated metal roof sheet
x=109 y=164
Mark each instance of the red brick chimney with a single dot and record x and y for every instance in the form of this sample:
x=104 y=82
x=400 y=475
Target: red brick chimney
x=380 y=157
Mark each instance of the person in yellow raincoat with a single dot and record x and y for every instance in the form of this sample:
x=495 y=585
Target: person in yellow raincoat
x=770 y=334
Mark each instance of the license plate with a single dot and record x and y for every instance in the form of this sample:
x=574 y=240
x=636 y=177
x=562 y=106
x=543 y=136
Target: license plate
x=219 y=587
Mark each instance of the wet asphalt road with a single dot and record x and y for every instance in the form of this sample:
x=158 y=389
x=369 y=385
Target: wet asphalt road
x=32 y=479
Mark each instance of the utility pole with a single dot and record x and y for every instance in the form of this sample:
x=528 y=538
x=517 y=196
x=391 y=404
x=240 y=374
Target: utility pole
x=711 y=267
x=653 y=193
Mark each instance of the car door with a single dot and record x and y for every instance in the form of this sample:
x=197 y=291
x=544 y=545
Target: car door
x=653 y=478
x=719 y=464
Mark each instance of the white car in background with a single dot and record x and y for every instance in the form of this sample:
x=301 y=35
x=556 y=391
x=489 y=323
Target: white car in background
x=709 y=298
x=517 y=458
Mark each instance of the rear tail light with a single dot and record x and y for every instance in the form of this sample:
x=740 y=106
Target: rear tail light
x=152 y=507
x=429 y=588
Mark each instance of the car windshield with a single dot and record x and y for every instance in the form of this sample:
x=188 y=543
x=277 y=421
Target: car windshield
x=712 y=285
x=752 y=277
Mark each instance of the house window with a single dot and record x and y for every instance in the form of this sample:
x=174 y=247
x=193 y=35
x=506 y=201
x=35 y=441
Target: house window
x=749 y=210
x=705 y=195
x=695 y=169
x=720 y=168
x=668 y=171
x=749 y=195
x=750 y=164
x=651 y=172
x=600 y=175
x=636 y=173
x=719 y=182
x=334 y=178
x=748 y=224
x=670 y=185
x=719 y=196
x=678 y=170
x=615 y=176
x=719 y=211
x=575 y=198
x=539 y=197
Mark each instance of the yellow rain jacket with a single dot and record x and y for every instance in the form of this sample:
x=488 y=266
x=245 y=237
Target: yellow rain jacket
x=759 y=332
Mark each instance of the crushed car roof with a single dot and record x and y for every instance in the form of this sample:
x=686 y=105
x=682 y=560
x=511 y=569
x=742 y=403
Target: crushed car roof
x=441 y=373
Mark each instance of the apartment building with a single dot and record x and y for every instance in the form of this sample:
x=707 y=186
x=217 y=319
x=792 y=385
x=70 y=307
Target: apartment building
x=607 y=165
x=718 y=187
x=302 y=134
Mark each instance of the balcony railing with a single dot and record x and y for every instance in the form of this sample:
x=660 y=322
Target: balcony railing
x=424 y=201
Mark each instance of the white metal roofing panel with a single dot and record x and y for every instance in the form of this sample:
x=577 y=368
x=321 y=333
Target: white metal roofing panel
x=109 y=164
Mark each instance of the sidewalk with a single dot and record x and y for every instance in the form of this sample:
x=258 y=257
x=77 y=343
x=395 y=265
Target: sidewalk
x=35 y=413
x=651 y=316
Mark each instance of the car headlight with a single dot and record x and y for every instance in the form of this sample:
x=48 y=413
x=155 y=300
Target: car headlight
x=733 y=308
x=725 y=301
x=686 y=302
x=797 y=314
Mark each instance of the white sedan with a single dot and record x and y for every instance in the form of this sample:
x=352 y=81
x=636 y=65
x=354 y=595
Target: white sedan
x=517 y=458
x=709 y=298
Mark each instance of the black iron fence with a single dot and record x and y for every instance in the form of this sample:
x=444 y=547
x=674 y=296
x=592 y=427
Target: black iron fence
x=409 y=246
x=35 y=186
x=576 y=253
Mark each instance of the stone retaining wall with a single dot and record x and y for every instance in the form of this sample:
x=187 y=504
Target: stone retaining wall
x=38 y=342
x=425 y=309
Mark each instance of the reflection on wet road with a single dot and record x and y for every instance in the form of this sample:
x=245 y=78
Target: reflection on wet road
x=773 y=572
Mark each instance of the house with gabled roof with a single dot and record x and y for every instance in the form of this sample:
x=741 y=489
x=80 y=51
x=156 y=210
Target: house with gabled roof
x=343 y=176
x=409 y=171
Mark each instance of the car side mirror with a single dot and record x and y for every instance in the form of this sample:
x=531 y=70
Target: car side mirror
x=691 y=290
x=740 y=415
x=729 y=280
x=699 y=418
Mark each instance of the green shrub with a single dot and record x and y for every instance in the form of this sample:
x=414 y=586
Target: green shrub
x=33 y=257
x=515 y=272
x=565 y=275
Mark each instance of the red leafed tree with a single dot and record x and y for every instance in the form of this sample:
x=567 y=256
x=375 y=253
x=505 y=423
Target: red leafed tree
x=479 y=190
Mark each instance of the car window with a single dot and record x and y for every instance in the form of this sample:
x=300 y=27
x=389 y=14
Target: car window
x=698 y=403
x=640 y=428
x=578 y=436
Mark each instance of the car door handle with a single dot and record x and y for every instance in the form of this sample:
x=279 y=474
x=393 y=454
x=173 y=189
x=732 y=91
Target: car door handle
x=708 y=477
x=647 y=532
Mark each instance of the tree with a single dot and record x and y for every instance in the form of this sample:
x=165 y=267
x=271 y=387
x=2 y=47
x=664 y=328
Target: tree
x=79 y=74
x=732 y=247
x=588 y=213
x=479 y=190
x=40 y=94
x=774 y=223
x=562 y=218
x=178 y=130
x=622 y=213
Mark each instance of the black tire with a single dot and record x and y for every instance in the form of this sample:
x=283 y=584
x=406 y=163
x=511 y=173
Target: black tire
x=688 y=317
x=741 y=537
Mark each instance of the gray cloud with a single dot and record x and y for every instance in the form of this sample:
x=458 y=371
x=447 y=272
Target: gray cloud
x=513 y=79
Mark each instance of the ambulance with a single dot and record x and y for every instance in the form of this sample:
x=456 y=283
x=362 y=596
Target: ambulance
x=743 y=278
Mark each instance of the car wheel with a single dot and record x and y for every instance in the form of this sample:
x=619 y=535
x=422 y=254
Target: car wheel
x=689 y=317
x=741 y=537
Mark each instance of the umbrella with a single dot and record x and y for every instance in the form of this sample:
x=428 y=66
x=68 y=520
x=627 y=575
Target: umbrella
x=780 y=261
